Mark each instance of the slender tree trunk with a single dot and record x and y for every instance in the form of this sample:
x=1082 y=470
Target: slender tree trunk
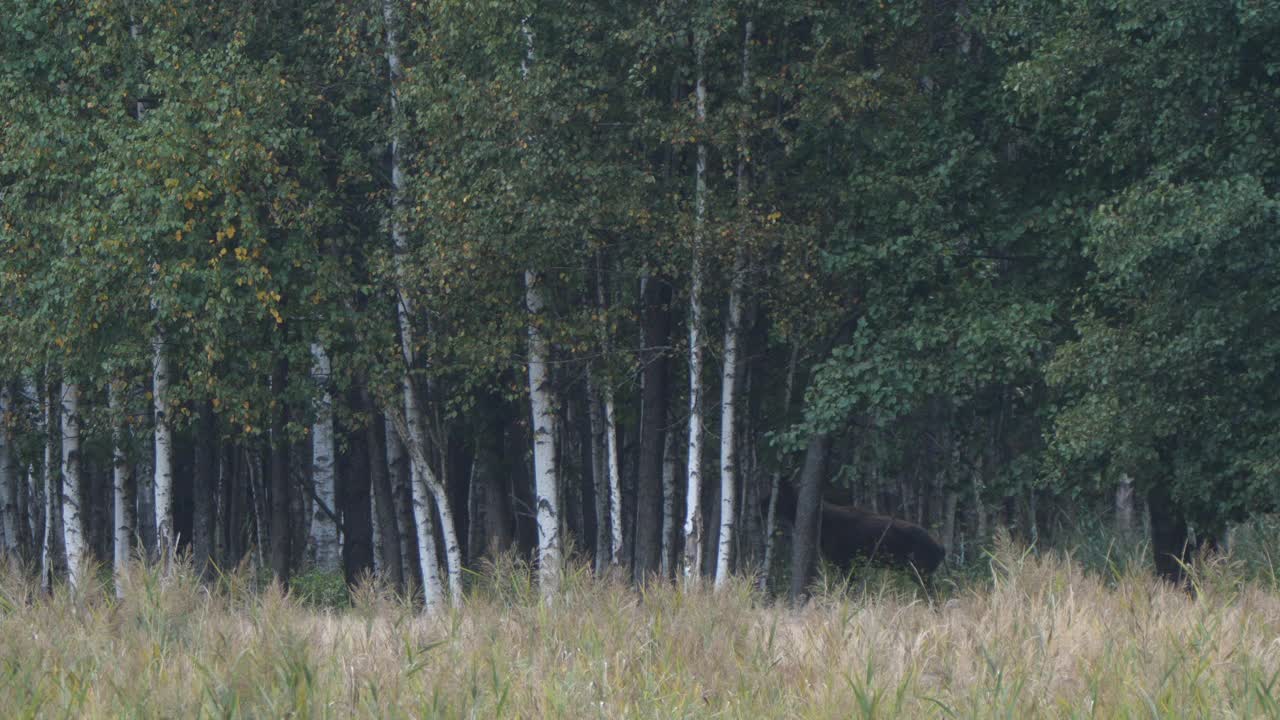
x=258 y=504
x=413 y=433
x=413 y=436
x=145 y=495
x=379 y=563
x=499 y=514
x=732 y=335
x=615 y=476
x=399 y=474
x=475 y=513
x=605 y=549
x=163 y=482
x=728 y=434
x=750 y=536
x=668 y=504
x=121 y=487
x=804 y=541
x=8 y=475
x=546 y=479
x=656 y=336
x=51 y=558
x=95 y=498
x=281 y=539
x=352 y=495
x=324 y=530
x=771 y=516
x=693 y=530
x=611 y=434
x=204 y=480
x=387 y=535
x=72 y=519
x=160 y=490
x=546 y=483
x=949 y=522
x=226 y=546
x=35 y=509
x=300 y=505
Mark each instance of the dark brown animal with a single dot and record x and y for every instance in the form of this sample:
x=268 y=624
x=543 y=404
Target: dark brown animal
x=849 y=534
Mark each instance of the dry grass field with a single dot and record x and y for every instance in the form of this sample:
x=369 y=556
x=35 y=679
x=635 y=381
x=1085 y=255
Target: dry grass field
x=1034 y=636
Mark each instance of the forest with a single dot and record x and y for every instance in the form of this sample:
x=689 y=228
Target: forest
x=398 y=289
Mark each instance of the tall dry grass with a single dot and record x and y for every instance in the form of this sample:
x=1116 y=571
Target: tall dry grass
x=1038 y=637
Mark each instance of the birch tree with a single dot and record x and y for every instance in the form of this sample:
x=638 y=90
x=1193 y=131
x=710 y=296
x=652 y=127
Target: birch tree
x=546 y=483
x=72 y=517
x=546 y=480
x=732 y=335
x=410 y=423
x=324 y=528
x=600 y=478
x=610 y=431
x=122 y=499
x=162 y=481
x=693 y=530
x=49 y=480
x=668 y=502
x=402 y=501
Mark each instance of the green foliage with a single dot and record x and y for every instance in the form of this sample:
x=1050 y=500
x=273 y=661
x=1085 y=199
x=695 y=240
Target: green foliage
x=318 y=589
x=1021 y=249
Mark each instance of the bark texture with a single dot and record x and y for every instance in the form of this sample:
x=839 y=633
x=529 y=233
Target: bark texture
x=324 y=526
x=73 y=531
x=807 y=514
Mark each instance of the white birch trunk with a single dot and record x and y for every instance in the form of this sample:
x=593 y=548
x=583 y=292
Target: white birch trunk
x=162 y=483
x=122 y=502
x=8 y=475
x=668 y=501
x=611 y=435
x=413 y=434
x=693 y=535
x=600 y=479
x=729 y=374
x=420 y=477
x=72 y=520
x=52 y=499
x=546 y=484
x=324 y=530
x=615 y=475
x=728 y=416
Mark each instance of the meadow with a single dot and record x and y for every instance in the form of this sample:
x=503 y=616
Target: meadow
x=1019 y=635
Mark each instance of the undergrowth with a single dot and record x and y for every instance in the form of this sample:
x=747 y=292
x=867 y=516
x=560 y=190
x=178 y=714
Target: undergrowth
x=1031 y=635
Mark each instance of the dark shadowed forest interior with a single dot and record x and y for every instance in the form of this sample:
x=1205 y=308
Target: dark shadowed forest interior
x=704 y=288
